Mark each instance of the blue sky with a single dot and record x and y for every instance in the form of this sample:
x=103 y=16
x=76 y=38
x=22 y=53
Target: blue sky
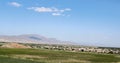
x=88 y=22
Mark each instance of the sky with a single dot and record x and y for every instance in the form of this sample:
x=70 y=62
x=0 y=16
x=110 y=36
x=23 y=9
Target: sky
x=87 y=22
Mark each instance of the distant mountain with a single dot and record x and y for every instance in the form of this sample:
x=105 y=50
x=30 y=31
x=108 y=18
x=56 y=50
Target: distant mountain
x=32 y=38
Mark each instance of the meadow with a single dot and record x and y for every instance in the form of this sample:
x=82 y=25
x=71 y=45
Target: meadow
x=15 y=55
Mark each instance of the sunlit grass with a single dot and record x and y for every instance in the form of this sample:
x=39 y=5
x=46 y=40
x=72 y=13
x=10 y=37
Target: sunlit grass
x=49 y=56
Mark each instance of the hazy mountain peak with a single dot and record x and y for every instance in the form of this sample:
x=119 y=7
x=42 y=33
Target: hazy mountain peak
x=36 y=38
x=31 y=38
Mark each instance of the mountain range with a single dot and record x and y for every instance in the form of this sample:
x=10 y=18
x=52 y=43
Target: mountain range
x=32 y=38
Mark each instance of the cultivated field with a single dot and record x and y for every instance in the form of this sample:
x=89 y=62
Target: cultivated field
x=8 y=55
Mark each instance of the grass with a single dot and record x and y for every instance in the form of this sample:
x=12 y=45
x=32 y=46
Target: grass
x=49 y=56
x=12 y=60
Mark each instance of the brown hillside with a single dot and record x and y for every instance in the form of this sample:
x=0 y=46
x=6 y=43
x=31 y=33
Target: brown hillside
x=14 y=45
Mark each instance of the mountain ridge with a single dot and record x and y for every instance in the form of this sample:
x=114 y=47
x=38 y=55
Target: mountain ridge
x=32 y=38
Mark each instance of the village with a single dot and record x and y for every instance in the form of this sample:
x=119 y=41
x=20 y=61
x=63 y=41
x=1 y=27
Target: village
x=68 y=48
x=76 y=48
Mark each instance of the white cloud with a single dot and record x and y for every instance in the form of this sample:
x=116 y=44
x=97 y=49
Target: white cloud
x=56 y=14
x=41 y=9
x=15 y=4
x=54 y=11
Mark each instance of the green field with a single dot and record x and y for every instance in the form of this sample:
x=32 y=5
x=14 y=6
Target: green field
x=51 y=56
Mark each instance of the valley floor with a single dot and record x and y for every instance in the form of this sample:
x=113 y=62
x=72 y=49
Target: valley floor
x=15 y=55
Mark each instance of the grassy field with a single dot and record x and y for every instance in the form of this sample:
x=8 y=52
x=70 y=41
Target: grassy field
x=48 y=56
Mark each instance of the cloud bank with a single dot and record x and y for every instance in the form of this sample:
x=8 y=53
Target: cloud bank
x=54 y=11
x=51 y=10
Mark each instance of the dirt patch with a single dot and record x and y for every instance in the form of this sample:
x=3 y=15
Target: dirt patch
x=28 y=56
x=68 y=61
